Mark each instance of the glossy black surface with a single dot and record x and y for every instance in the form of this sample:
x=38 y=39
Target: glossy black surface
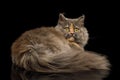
x=18 y=74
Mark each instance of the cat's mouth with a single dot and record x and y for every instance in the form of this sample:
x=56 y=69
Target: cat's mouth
x=71 y=39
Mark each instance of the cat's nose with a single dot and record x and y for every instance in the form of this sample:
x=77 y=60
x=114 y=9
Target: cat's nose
x=72 y=34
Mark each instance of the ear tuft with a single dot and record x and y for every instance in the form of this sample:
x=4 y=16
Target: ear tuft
x=81 y=18
x=61 y=18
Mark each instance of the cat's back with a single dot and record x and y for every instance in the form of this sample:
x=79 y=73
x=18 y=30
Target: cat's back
x=48 y=36
x=42 y=32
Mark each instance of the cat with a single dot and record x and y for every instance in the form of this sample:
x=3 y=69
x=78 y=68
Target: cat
x=57 y=49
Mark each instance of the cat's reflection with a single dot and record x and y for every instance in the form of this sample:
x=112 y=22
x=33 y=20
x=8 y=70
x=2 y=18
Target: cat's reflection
x=19 y=74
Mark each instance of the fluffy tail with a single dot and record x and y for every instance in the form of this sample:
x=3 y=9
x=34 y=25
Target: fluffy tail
x=70 y=61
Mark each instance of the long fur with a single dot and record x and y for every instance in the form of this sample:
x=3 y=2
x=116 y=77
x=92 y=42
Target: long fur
x=46 y=50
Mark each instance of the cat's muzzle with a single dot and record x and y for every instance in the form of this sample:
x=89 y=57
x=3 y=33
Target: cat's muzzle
x=70 y=37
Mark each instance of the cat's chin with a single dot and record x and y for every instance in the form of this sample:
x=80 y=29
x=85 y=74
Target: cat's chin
x=71 y=39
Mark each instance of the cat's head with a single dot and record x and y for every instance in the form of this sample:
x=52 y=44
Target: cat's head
x=73 y=28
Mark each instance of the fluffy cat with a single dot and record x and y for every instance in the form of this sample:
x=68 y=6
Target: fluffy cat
x=57 y=49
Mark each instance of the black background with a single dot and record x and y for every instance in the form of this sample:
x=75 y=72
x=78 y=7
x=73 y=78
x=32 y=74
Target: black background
x=101 y=21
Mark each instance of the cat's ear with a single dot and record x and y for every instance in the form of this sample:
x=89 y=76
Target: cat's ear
x=61 y=19
x=81 y=19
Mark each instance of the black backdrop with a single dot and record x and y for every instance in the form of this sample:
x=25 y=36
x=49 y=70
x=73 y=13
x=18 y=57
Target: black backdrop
x=101 y=22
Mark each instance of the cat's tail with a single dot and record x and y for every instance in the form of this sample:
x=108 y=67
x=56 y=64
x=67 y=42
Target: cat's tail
x=81 y=60
x=70 y=61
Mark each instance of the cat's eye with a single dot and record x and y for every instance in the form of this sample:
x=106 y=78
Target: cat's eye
x=76 y=30
x=67 y=29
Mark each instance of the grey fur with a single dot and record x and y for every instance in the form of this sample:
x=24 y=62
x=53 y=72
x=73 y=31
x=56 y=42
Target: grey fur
x=46 y=49
x=82 y=36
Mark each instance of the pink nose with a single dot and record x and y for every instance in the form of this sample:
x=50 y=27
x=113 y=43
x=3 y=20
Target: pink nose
x=71 y=32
